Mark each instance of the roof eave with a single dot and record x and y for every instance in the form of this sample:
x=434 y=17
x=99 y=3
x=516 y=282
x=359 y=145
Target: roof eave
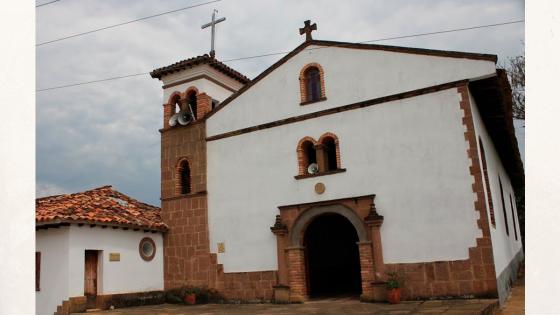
x=494 y=101
x=100 y=223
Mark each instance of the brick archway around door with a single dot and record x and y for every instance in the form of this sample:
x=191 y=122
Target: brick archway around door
x=471 y=277
x=290 y=227
x=303 y=220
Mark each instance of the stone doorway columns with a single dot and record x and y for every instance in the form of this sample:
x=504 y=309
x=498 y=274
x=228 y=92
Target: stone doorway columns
x=289 y=228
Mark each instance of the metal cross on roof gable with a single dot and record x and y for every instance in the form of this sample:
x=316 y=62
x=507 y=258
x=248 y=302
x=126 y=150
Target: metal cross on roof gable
x=213 y=25
x=307 y=29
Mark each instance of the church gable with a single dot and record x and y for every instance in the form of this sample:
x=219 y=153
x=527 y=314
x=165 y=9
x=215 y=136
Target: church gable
x=344 y=74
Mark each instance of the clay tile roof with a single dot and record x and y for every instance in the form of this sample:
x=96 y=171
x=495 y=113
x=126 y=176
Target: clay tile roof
x=200 y=60
x=102 y=205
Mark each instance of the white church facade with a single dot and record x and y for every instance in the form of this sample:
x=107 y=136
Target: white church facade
x=337 y=164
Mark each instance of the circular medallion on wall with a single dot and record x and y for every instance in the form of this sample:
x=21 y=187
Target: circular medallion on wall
x=147 y=248
x=319 y=188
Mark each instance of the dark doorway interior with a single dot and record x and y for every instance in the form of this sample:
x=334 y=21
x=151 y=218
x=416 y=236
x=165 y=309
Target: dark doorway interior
x=332 y=257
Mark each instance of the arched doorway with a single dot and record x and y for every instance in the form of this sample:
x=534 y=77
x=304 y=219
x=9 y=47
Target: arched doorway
x=332 y=256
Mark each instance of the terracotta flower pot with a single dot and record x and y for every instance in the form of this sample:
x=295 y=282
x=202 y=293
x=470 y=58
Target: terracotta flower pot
x=190 y=299
x=394 y=295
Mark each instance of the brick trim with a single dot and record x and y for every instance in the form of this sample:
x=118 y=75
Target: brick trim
x=302 y=158
x=169 y=108
x=303 y=83
x=340 y=170
x=337 y=146
x=189 y=90
x=172 y=97
x=295 y=219
x=178 y=173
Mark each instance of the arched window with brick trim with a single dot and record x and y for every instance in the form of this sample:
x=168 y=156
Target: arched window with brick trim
x=175 y=101
x=192 y=101
x=306 y=154
x=312 y=83
x=183 y=180
x=330 y=151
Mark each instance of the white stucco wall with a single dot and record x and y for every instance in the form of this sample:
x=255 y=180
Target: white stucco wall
x=63 y=261
x=54 y=283
x=215 y=91
x=411 y=153
x=351 y=75
x=130 y=274
x=504 y=247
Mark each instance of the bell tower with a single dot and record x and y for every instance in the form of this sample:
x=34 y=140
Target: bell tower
x=192 y=88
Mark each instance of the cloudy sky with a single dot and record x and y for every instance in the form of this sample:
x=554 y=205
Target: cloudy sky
x=107 y=133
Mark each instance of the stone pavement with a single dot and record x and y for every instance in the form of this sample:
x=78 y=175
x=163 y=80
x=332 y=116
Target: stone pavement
x=324 y=306
x=515 y=303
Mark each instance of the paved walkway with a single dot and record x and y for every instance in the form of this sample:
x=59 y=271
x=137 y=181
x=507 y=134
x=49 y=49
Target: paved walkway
x=325 y=306
x=515 y=303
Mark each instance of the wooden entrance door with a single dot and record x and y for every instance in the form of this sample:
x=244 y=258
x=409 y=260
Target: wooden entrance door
x=90 y=275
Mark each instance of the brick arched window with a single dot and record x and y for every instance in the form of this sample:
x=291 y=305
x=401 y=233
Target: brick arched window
x=192 y=102
x=183 y=177
x=306 y=154
x=331 y=152
x=312 y=84
x=175 y=101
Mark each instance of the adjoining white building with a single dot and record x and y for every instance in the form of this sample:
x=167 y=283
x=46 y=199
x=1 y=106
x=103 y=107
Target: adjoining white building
x=95 y=249
x=340 y=162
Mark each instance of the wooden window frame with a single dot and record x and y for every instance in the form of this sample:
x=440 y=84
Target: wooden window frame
x=303 y=84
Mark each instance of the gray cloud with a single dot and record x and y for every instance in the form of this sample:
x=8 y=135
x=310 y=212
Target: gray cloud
x=107 y=133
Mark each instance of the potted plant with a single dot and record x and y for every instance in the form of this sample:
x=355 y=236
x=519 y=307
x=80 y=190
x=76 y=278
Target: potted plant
x=190 y=296
x=394 y=284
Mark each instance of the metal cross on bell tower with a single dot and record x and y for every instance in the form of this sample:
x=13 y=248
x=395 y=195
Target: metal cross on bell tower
x=213 y=25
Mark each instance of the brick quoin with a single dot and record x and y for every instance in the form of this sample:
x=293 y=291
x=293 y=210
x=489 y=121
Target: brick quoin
x=475 y=276
x=471 y=277
x=189 y=261
x=187 y=256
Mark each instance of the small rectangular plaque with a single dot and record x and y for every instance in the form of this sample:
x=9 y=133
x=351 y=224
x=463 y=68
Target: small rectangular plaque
x=114 y=257
x=221 y=247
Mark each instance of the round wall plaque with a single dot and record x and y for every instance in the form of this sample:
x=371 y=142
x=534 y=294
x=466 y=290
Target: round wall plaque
x=319 y=188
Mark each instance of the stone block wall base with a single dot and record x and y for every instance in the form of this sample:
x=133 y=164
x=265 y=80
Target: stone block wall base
x=76 y=304
x=130 y=299
x=379 y=290
x=281 y=294
x=298 y=298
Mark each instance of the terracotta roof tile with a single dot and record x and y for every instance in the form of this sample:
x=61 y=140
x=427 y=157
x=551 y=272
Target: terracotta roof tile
x=204 y=59
x=99 y=205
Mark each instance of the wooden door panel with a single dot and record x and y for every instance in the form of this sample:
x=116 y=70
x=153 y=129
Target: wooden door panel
x=90 y=273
